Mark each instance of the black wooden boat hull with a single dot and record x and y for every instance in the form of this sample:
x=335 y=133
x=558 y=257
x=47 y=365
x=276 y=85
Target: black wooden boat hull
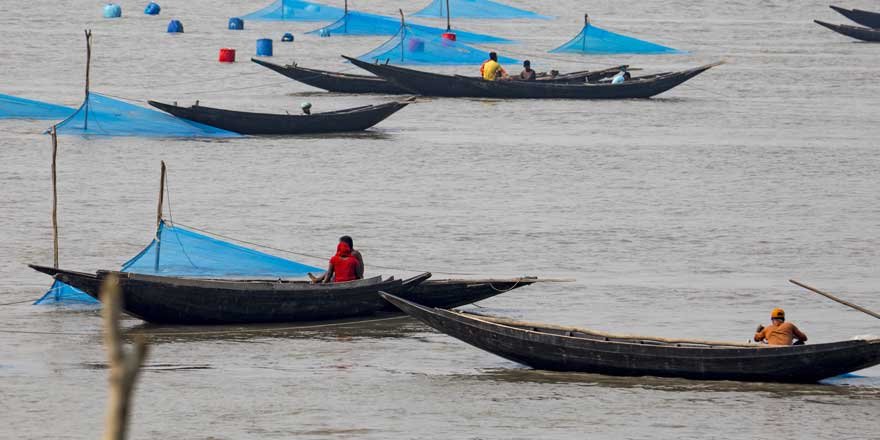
x=433 y=84
x=554 y=350
x=348 y=83
x=335 y=82
x=859 y=33
x=864 y=18
x=353 y=119
x=193 y=301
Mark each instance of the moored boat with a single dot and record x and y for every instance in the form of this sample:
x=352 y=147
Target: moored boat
x=350 y=119
x=558 y=348
x=859 y=33
x=349 y=83
x=187 y=300
x=434 y=84
x=864 y=18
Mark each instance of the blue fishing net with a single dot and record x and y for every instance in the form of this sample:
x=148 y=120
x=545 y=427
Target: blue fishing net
x=296 y=10
x=186 y=253
x=362 y=23
x=476 y=9
x=595 y=40
x=13 y=107
x=411 y=46
x=104 y=116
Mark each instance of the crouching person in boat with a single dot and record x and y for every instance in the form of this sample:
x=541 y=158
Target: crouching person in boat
x=491 y=70
x=346 y=265
x=780 y=332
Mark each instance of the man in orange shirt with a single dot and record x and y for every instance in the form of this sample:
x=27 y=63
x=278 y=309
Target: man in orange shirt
x=779 y=332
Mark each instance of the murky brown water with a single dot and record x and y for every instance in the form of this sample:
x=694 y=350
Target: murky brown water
x=678 y=216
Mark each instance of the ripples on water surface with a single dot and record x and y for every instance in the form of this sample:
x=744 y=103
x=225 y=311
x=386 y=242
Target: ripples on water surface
x=678 y=216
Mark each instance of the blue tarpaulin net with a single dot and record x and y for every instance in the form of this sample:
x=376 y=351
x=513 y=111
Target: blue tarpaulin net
x=186 y=253
x=595 y=40
x=13 y=107
x=411 y=46
x=296 y=10
x=104 y=116
x=475 y=9
x=362 y=23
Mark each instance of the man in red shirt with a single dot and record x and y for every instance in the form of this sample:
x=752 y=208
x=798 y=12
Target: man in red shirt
x=779 y=332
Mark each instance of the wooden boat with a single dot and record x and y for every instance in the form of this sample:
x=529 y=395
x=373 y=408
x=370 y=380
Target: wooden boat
x=557 y=348
x=434 y=84
x=177 y=300
x=864 y=18
x=349 y=83
x=859 y=33
x=350 y=119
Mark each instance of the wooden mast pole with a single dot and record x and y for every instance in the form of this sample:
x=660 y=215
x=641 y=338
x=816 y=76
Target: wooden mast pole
x=834 y=298
x=54 y=195
x=159 y=215
x=88 y=68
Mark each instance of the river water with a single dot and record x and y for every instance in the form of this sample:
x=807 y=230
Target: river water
x=683 y=215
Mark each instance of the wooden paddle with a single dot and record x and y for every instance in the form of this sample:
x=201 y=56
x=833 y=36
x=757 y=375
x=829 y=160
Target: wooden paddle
x=834 y=298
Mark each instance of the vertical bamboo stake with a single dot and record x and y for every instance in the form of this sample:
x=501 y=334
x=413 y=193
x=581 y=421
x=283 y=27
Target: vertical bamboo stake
x=448 y=17
x=124 y=366
x=403 y=37
x=88 y=68
x=54 y=195
x=159 y=214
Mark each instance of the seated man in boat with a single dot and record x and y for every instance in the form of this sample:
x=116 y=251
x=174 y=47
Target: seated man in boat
x=355 y=253
x=779 y=332
x=621 y=76
x=306 y=108
x=343 y=267
x=491 y=70
x=527 y=74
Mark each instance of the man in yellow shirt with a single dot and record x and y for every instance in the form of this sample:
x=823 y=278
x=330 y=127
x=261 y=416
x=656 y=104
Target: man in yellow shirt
x=491 y=70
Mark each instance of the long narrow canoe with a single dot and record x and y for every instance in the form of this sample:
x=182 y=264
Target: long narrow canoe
x=350 y=119
x=206 y=301
x=349 y=83
x=434 y=84
x=864 y=18
x=557 y=348
x=859 y=33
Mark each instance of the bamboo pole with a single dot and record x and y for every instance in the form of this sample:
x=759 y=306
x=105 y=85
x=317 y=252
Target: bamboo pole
x=162 y=177
x=834 y=298
x=88 y=68
x=124 y=366
x=448 y=17
x=54 y=196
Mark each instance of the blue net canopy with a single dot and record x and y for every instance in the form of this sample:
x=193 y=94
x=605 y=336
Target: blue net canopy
x=411 y=46
x=296 y=10
x=595 y=40
x=475 y=9
x=186 y=253
x=13 y=107
x=104 y=116
x=363 y=23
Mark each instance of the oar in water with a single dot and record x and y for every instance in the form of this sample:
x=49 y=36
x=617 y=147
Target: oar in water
x=834 y=298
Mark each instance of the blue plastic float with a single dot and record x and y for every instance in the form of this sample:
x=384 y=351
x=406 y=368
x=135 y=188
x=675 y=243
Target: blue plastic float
x=236 y=24
x=175 y=27
x=287 y=38
x=152 y=9
x=112 y=10
x=264 y=47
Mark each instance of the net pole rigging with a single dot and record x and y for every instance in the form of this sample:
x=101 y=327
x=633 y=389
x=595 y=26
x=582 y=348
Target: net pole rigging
x=448 y=17
x=54 y=196
x=88 y=33
x=159 y=214
x=586 y=24
x=403 y=36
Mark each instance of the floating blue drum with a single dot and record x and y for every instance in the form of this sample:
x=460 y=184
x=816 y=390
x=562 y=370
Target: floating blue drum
x=236 y=24
x=175 y=27
x=324 y=32
x=264 y=47
x=112 y=10
x=287 y=38
x=152 y=9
